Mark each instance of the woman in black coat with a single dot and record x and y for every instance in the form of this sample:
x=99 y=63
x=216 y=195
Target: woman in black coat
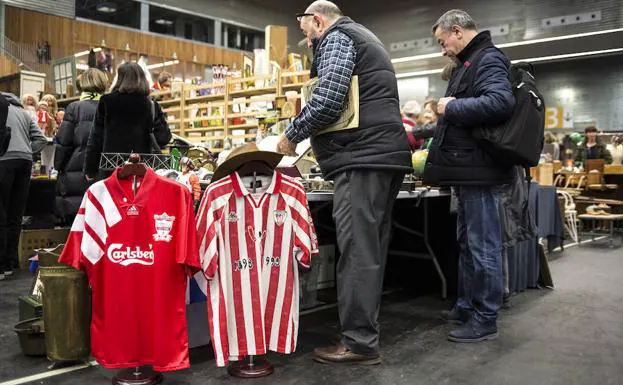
x=71 y=144
x=124 y=120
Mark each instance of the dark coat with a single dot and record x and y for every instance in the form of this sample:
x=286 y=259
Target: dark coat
x=71 y=146
x=4 y=131
x=483 y=97
x=601 y=152
x=122 y=125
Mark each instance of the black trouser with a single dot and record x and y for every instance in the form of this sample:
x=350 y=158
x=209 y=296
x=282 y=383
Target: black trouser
x=362 y=211
x=14 y=182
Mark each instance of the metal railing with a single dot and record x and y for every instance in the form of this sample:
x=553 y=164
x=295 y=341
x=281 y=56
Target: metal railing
x=26 y=56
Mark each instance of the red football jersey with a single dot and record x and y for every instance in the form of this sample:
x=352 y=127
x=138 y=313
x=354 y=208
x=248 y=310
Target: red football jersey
x=137 y=252
x=249 y=248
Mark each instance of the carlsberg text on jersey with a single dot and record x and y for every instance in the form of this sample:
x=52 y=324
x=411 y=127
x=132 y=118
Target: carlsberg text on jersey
x=128 y=256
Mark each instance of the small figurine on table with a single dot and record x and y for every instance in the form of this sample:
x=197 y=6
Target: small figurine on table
x=189 y=179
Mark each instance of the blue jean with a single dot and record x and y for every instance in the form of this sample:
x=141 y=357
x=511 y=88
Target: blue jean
x=479 y=235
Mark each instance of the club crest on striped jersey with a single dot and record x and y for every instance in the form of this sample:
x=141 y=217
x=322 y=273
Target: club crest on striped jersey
x=232 y=216
x=164 y=225
x=280 y=217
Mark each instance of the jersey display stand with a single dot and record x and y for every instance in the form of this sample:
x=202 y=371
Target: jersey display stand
x=251 y=366
x=137 y=377
x=255 y=231
x=133 y=168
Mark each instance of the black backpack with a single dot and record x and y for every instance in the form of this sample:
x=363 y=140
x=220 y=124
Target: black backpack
x=519 y=141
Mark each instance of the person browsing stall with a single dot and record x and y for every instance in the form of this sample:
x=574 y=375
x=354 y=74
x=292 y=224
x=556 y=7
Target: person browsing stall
x=124 y=119
x=366 y=163
x=479 y=92
x=592 y=148
x=71 y=143
x=24 y=139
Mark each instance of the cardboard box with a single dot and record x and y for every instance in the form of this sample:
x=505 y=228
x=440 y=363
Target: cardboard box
x=546 y=174
x=30 y=240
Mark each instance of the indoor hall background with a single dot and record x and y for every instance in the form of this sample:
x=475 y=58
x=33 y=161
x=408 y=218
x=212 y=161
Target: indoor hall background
x=591 y=87
x=401 y=20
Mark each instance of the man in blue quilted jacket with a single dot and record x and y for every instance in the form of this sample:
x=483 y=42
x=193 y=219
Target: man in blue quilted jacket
x=479 y=93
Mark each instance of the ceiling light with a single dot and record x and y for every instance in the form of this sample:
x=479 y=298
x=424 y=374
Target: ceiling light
x=106 y=7
x=566 y=93
x=87 y=52
x=164 y=22
x=569 y=55
x=514 y=44
x=528 y=60
x=165 y=64
x=418 y=73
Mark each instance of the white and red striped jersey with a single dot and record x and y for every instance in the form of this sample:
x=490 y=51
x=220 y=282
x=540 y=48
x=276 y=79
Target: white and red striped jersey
x=137 y=251
x=249 y=245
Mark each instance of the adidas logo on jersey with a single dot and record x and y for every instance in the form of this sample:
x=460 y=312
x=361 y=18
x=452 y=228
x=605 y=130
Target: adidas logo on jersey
x=132 y=211
x=125 y=256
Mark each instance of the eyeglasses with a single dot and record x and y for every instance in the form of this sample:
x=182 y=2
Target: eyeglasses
x=300 y=16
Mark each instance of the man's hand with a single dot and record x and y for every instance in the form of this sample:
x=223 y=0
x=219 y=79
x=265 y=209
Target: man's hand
x=88 y=178
x=284 y=146
x=441 y=105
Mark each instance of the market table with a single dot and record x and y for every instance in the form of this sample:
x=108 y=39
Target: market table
x=419 y=195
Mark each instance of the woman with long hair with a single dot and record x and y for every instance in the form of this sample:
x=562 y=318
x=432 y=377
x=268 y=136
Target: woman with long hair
x=124 y=120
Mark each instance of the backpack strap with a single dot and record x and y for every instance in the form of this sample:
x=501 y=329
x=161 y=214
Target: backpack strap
x=528 y=178
x=153 y=114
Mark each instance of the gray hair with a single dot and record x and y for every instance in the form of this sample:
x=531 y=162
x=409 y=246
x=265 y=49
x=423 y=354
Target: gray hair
x=325 y=8
x=455 y=17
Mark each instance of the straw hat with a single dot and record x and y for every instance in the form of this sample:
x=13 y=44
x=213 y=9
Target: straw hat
x=244 y=154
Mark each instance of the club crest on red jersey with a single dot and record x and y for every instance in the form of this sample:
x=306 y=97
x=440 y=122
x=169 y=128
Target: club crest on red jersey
x=280 y=217
x=164 y=225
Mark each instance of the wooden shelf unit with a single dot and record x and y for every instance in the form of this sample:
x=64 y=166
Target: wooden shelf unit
x=185 y=106
x=209 y=112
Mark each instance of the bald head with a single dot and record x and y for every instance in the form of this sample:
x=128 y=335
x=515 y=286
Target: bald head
x=318 y=18
x=326 y=9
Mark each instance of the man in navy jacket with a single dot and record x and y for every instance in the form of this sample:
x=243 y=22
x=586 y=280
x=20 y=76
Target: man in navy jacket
x=479 y=93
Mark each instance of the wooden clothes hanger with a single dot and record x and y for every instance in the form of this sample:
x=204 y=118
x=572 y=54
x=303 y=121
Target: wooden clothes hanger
x=255 y=167
x=133 y=167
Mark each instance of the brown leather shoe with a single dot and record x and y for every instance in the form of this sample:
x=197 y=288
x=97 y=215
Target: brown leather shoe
x=340 y=354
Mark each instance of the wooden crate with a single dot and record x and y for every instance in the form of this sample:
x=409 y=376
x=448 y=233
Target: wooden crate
x=31 y=240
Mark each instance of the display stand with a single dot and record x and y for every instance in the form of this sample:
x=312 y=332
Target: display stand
x=251 y=366
x=137 y=377
x=134 y=168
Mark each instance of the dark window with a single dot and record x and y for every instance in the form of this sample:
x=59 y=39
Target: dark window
x=242 y=38
x=184 y=25
x=119 y=12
